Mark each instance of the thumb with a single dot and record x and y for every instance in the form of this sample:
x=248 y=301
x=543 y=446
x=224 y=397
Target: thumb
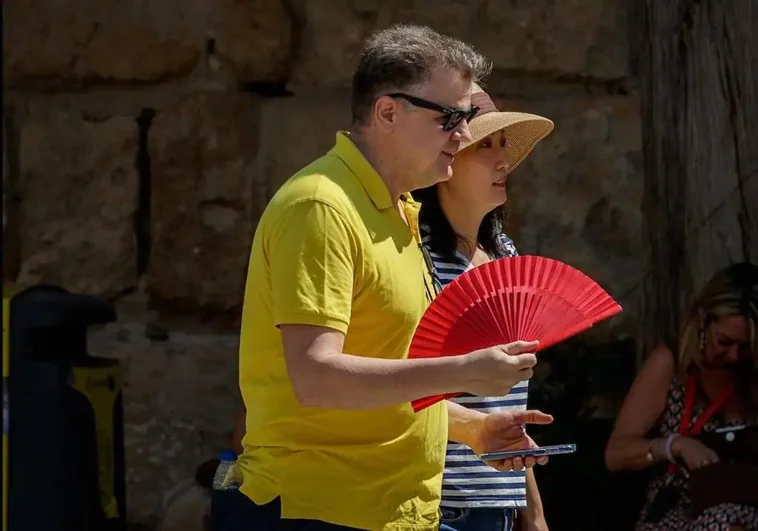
x=532 y=416
x=519 y=347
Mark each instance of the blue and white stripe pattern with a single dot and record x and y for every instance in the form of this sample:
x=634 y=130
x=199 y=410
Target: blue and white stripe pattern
x=467 y=481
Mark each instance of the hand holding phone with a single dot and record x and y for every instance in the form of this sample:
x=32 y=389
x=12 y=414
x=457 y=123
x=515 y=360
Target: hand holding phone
x=530 y=452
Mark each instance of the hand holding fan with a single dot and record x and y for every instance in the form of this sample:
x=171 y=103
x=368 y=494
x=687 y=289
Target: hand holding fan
x=518 y=298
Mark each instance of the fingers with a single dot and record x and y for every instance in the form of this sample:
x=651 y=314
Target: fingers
x=709 y=459
x=507 y=465
x=532 y=416
x=519 y=347
x=517 y=463
x=701 y=459
x=522 y=361
x=503 y=465
x=543 y=460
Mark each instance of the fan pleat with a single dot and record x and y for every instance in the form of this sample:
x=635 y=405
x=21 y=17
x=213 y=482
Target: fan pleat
x=523 y=297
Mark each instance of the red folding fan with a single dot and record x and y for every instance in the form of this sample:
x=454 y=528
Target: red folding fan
x=508 y=299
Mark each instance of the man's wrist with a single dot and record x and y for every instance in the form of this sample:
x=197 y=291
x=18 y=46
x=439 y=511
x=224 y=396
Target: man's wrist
x=448 y=372
x=465 y=426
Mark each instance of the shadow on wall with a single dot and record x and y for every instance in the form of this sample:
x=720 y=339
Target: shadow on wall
x=583 y=387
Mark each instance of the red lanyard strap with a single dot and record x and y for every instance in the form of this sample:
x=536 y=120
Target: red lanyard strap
x=689 y=406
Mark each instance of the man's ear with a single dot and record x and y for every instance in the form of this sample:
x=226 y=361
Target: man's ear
x=384 y=113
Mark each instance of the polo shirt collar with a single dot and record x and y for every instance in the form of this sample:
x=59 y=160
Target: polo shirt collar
x=348 y=153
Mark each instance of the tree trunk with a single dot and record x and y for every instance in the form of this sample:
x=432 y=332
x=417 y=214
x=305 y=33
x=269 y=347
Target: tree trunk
x=697 y=63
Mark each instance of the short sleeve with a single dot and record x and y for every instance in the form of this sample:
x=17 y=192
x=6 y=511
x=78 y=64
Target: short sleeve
x=311 y=253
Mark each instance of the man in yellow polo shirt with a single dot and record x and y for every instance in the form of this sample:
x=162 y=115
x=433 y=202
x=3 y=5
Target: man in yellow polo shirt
x=336 y=285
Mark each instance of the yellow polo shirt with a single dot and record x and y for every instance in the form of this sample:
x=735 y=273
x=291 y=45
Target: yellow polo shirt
x=330 y=250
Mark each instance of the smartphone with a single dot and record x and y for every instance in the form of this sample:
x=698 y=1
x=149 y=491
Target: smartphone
x=530 y=452
x=729 y=429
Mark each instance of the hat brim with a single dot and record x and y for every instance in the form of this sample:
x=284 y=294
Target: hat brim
x=522 y=130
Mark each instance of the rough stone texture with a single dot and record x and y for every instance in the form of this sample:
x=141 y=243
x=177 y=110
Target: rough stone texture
x=118 y=99
x=295 y=131
x=578 y=197
x=77 y=188
x=523 y=35
x=253 y=37
x=6 y=180
x=110 y=40
x=150 y=40
x=10 y=220
x=203 y=188
x=7 y=189
x=181 y=398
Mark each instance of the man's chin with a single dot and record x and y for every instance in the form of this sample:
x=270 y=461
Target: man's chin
x=434 y=177
x=445 y=175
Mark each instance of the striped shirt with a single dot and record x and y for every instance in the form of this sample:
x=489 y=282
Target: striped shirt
x=467 y=481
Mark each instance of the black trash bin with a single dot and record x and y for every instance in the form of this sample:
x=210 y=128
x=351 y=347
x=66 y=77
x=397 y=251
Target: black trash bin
x=65 y=439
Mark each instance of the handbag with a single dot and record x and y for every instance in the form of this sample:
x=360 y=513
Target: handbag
x=719 y=483
x=732 y=480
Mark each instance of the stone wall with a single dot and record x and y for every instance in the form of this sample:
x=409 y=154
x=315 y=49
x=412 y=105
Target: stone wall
x=143 y=140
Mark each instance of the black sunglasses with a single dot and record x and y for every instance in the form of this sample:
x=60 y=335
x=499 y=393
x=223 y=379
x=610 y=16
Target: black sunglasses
x=453 y=117
x=436 y=286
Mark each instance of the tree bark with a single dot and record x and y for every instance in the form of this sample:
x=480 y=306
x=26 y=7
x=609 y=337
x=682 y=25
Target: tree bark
x=697 y=64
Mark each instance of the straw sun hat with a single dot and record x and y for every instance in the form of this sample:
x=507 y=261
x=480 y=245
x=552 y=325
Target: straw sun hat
x=522 y=130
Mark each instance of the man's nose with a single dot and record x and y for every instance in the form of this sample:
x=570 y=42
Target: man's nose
x=462 y=133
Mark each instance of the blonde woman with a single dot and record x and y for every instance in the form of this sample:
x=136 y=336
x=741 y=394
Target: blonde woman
x=709 y=381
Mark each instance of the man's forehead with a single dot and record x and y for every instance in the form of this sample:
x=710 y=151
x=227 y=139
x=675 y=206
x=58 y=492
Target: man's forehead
x=449 y=88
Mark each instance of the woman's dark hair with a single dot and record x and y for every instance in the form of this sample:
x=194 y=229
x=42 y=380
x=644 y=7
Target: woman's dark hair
x=443 y=240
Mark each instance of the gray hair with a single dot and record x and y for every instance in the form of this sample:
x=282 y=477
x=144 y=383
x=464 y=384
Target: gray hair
x=403 y=56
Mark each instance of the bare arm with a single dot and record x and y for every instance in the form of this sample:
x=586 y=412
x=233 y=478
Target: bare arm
x=463 y=424
x=628 y=445
x=533 y=514
x=323 y=375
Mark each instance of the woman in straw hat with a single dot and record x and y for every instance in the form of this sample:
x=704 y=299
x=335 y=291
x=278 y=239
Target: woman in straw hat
x=461 y=222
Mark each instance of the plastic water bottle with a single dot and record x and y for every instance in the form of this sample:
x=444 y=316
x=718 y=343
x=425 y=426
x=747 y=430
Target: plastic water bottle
x=227 y=475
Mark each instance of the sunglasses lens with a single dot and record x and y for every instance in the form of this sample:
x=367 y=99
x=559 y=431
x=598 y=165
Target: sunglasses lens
x=472 y=113
x=453 y=119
